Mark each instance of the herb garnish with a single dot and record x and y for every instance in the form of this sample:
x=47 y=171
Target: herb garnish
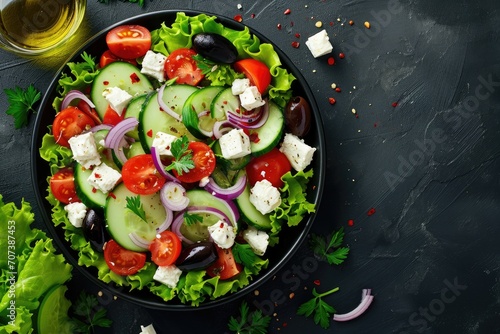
x=183 y=157
x=192 y=218
x=321 y=309
x=249 y=322
x=90 y=314
x=244 y=254
x=21 y=104
x=330 y=249
x=134 y=204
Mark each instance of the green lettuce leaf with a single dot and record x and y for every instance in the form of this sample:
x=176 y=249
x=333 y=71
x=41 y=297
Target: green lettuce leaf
x=56 y=155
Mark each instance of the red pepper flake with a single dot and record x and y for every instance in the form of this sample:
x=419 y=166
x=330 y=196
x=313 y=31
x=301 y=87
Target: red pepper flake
x=94 y=190
x=285 y=324
x=98 y=175
x=135 y=78
x=371 y=212
x=150 y=133
x=375 y=125
x=297 y=35
x=395 y=104
x=338 y=90
x=357 y=116
x=331 y=61
x=278 y=26
x=317 y=282
x=350 y=222
x=113 y=196
x=332 y=100
x=331 y=23
x=291 y=24
x=351 y=22
x=287 y=11
x=254 y=137
x=295 y=44
x=221 y=225
x=238 y=18
x=105 y=83
x=341 y=55
x=252 y=16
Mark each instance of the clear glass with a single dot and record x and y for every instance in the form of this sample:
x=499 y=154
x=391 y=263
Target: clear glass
x=33 y=27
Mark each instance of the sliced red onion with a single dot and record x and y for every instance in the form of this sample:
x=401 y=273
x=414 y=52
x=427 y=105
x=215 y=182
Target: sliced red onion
x=254 y=113
x=117 y=132
x=73 y=95
x=366 y=300
x=100 y=127
x=139 y=241
x=252 y=124
x=221 y=128
x=167 y=222
x=227 y=193
x=160 y=166
x=176 y=227
x=164 y=106
x=173 y=196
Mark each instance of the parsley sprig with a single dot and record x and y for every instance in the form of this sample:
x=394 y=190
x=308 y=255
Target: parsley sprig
x=328 y=248
x=88 y=314
x=244 y=254
x=134 y=204
x=192 y=218
x=249 y=322
x=21 y=103
x=183 y=156
x=322 y=310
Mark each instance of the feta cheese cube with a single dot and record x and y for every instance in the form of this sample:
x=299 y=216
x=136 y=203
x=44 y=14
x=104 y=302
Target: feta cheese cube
x=104 y=178
x=251 y=98
x=319 y=44
x=258 y=240
x=239 y=86
x=148 y=330
x=235 y=144
x=117 y=98
x=84 y=150
x=163 y=142
x=153 y=65
x=222 y=234
x=76 y=213
x=168 y=275
x=298 y=153
x=265 y=197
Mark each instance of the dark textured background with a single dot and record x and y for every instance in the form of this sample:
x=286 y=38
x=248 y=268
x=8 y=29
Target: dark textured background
x=429 y=166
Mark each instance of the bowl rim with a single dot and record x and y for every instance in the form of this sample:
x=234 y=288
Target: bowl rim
x=40 y=186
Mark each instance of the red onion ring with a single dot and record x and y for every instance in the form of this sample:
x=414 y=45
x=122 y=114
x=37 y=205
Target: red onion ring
x=115 y=139
x=163 y=105
x=100 y=127
x=222 y=127
x=252 y=124
x=227 y=193
x=180 y=202
x=139 y=241
x=160 y=167
x=366 y=300
x=73 y=95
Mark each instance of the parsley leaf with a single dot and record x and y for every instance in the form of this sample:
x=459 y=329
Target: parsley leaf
x=134 y=204
x=317 y=307
x=217 y=74
x=191 y=218
x=244 y=254
x=183 y=157
x=329 y=248
x=88 y=314
x=249 y=322
x=21 y=103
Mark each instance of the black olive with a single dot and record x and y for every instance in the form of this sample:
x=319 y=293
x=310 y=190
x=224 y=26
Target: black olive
x=197 y=256
x=215 y=47
x=94 y=230
x=298 y=116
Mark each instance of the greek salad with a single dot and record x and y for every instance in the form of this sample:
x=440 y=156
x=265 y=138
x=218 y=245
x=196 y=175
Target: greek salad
x=177 y=157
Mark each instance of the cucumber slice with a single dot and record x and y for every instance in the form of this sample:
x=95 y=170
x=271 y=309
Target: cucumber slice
x=134 y=110
x=249 y=214
x=135 y=149
x=270 y=133
x=53 y=312
x=223 y=102
x=91 y=197
x=232 y=164
x=199 y=230
x=121 y=221
x=122 y=75
x=199 y=101
x=153 y=119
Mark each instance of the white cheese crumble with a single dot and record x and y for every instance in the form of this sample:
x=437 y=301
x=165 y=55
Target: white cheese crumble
x=239 y=86
x=222 y=234
x=258 y=240
x=265 y=197
x=104 y=178
x=235 y=144
x=117 y=98
x=319 y=44
x=251 y=98
x=153 y=65
x=163 y=143
x=168 y=275
x=84 y=150
x=76 y=213
x=148 y=330
x=298 y=153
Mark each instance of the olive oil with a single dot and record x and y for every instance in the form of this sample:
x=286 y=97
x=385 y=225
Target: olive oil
x=39 y=24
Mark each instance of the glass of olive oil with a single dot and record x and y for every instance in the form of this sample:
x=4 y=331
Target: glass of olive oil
x=33 y=27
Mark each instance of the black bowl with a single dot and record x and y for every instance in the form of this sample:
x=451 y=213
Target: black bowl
x=290 y=238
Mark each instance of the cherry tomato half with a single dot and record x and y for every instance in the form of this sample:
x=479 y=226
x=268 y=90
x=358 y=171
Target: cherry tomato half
x=109 y=57
x=62 y=186
x=181 y=65
x=270 y=166
x=84 y=106
x=165 y=248
x=140 y=175
x=225 y=266
x=111 y=117
x=68 y=123
x=123 y=261
x=129 y=41
x=204 y=163
x=256 y=71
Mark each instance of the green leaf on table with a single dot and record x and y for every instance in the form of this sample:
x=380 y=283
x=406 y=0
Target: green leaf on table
x=328 y=248
x=249 y=322
x=21 y=103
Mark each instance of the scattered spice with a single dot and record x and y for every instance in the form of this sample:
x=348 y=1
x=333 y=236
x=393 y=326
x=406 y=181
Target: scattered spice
x=394 y=104
x=353 y=111
x=331 y=23
x=252 y=16
x=287 y=11
x=291 y=295
x=238 y=18
x=295 y=44
x=338 y=90
x=331 y=61
x=291 y=23
x=334 y=85
x=371 y=212
x=351 y=22
x=297 y=35
x=332 y=100
x=278 y=26
x=319 y=24
x=367 y=25
x=239 y=6
x=341 y=55
x=317 y=282
x=350 y=222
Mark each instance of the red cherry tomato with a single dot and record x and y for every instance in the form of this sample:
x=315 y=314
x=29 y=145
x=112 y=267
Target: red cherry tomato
x=129 y=41
x=204 y=163
x=111 y=117
x=70 y=122
x=84 y=106
x=62 y=186
x=181 y=65
x=123 y=261
x=225 y=266
x=108 y=57
x=270 y=166
x=256 y=71
x=140 y=175
x=165 y=248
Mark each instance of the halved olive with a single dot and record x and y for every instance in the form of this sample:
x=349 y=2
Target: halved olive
x=94 y=230
x=298 y=116
x=197 y=256
x=215 y=47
